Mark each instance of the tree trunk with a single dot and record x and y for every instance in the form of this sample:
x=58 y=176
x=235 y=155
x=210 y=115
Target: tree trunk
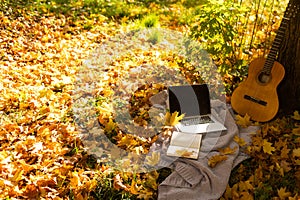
x=289 y=57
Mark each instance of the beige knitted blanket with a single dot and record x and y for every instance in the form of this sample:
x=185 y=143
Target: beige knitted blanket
x=194 y=179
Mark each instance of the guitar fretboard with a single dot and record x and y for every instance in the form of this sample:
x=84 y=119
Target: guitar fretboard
x=280 y=34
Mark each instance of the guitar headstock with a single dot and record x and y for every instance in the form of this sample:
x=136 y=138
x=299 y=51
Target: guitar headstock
x=291 y=11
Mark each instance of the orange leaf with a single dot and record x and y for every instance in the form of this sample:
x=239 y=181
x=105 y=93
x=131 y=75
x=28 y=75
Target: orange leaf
x=134 y=189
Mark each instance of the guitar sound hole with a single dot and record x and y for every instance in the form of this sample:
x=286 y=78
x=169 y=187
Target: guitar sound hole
x=264 y=78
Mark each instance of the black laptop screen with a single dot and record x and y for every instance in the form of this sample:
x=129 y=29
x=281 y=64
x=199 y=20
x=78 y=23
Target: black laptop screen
x=191 y=100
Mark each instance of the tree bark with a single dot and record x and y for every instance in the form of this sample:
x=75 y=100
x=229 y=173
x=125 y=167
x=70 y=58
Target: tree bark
x=289 y=57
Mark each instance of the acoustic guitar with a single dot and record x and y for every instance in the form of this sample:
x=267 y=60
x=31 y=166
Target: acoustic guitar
x=257 y=95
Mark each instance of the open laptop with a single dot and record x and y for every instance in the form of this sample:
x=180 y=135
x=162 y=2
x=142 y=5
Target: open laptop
x=194 y=102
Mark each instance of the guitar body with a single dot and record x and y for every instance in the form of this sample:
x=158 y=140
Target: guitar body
x=257 y=95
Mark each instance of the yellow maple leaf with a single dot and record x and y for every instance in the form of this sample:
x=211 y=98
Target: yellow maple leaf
x=110 y=126
x=267 y=147
x=243 y=121
x=296 y=115
x=75 y=181
x=134 y=189
x=245 y=186
x=227 y=150
x=127 y=141
x=153 y=159
x=172 y=119
x=216 y=159
x=145 y=194
x=296 y=152
x=241 y=142
x=283 y=194
x=296 y=131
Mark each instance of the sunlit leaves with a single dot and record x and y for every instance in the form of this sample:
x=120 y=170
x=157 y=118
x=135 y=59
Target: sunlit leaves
x=40 y=154
x=173 y=119
x=273 y=143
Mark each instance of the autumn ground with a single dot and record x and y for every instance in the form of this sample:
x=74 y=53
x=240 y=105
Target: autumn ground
x=43 y=45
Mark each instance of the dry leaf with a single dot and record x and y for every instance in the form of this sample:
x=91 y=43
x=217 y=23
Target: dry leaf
x=267 y=147
x=296 y=131
x=241 y=142
x=243 y=121
x=118 y=183
x=184 y=153
x=153 y=159
x=296 y=115
x=173 y=119
x=134 y=189
x=282 y=193
x=228 y=150
x=216 y=159
x=296 y=152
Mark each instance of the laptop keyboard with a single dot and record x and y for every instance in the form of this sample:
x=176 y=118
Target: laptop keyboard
x=197 y=120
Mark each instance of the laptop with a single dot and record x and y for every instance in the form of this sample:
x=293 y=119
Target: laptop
x=194 y=102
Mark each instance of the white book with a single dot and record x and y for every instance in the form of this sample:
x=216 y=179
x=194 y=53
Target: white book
x=184 y=145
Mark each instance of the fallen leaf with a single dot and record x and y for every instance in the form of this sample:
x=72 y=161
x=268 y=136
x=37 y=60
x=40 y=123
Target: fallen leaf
x=153 y=159
x=282 y=193
x=296 y=115
x=216 y=159
x=118 y=183
x=184 y=153
x=228 y=150
x=241 y=142
x=296 y=131
x=243 y=121
x=134 y=189
x=296 y=152
x=267 y=147
x=173 y=119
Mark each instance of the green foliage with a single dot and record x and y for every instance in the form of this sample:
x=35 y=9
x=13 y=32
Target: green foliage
x=233 y=32
x=150 y=21
x=215 y=25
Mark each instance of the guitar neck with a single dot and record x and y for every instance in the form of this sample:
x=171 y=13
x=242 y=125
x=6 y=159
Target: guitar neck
x=280 y=34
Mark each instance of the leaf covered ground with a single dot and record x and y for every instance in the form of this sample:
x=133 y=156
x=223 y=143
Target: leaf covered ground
x=43 y=45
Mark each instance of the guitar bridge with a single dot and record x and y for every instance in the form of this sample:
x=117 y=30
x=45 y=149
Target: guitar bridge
x=255 y=100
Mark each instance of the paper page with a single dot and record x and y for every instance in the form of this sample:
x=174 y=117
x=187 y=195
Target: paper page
x=184 y=145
